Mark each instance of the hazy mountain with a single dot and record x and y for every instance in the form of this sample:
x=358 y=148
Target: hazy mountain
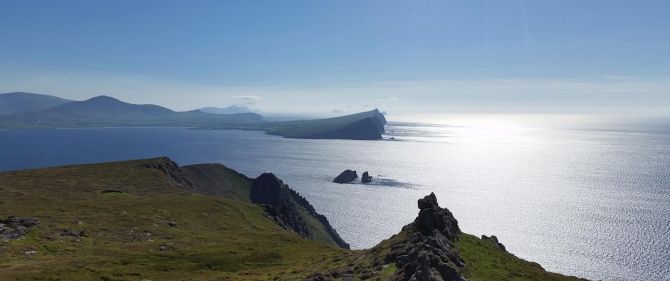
x=105 y=111
x=233 y=109
x=19 y=102
x=102 y=107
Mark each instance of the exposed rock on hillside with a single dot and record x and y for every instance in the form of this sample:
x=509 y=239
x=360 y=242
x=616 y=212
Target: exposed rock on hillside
x=286 y=207
x=493 y=239
x=170 y=168
x=14 y=227
x=346 y=177
x=429 y=252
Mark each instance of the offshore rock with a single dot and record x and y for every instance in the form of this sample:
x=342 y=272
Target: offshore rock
x=366 y=178
x=346 y=177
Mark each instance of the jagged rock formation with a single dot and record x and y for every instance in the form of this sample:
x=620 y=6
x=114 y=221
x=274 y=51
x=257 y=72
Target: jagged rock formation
x=346 y=177
x=428 y=252
x=14 y=227
x=493 y=239
x=366 y=178
x=287 y=207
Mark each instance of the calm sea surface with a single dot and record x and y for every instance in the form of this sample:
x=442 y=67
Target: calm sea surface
x=595 y=204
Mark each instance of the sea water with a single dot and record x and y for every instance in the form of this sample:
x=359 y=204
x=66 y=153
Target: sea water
x=590 y=203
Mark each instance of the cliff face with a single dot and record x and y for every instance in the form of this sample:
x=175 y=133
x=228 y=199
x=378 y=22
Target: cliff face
x=292 y=211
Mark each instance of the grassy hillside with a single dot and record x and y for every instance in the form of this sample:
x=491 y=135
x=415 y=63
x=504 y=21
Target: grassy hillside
x=126 y=208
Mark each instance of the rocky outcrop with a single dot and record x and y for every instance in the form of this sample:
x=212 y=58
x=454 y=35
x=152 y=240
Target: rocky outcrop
x=14 y=227
x=424 y=250
x=289 y=209
x=169 y=168
x=494 y=240
x=366 y=178
x=346 y=177
x=428 y=253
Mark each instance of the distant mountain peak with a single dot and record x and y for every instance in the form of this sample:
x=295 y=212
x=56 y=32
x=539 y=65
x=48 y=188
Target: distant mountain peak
x=104 y=98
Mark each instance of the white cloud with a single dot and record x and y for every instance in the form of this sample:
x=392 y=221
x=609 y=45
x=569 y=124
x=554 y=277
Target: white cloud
x=247 y=100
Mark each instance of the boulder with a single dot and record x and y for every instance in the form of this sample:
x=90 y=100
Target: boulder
x=366 y=178
x=14 y=227
x=346 y=177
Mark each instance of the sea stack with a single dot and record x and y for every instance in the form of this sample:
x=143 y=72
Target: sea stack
x=346 y=177
x=366 y=178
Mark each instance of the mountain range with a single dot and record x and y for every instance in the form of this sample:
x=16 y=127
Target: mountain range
x=26 y=110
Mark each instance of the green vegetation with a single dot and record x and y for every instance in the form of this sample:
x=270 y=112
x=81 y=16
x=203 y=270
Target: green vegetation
x=484 y=262
x=126 y=208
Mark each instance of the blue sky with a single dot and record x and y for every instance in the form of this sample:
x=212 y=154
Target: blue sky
x=314 y=56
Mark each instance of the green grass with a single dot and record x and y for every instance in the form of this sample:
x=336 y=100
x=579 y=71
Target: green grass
x=484 y=262
x=215 y=237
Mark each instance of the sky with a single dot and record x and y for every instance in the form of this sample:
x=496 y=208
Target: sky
x=404 y=57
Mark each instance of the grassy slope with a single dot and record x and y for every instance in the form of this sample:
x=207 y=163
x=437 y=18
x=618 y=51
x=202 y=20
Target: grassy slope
x=217 y=238
x=483 y=262
x=218 y=180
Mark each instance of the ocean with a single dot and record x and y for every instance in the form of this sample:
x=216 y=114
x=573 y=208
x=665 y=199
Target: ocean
x=589 y=203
